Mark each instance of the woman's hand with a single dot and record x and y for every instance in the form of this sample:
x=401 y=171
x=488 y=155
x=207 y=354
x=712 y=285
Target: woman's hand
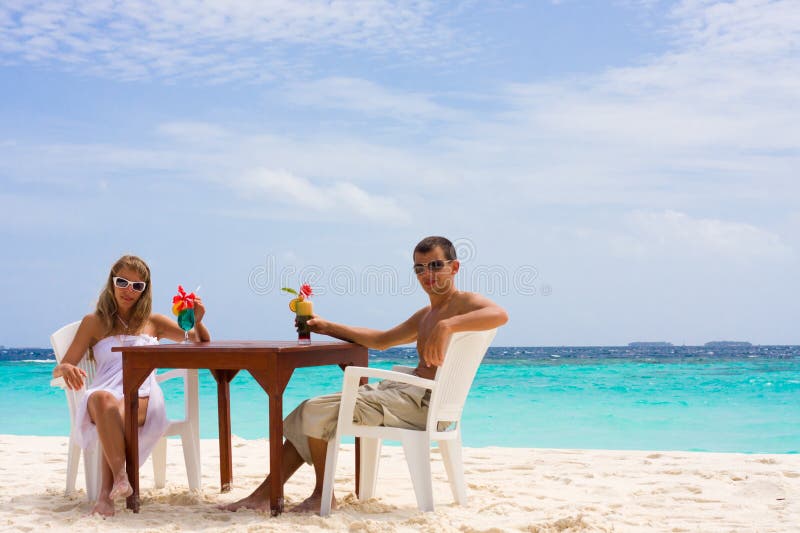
x=199 y=310
x=73 y=376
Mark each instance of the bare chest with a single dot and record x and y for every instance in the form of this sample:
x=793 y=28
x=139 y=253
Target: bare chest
x=429 y=322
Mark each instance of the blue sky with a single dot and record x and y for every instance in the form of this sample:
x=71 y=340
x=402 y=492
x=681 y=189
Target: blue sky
x=610 y=171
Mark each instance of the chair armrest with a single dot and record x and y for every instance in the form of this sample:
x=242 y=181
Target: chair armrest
x=172 y=374
x=350 y=383
x=404 y=369
x=58 y=382
x=353 y=373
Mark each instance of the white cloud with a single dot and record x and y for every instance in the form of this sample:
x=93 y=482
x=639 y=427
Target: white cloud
x=213 y=154
x=25 y=213
x=674 y=232
x=364 y=96
x=729 y=82
x=715 y=115
x=340 y=199
x=696 y=126
x=213 y=41
x=193 y=132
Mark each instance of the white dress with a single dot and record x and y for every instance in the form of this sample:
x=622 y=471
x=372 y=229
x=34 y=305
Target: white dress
x=108 y=377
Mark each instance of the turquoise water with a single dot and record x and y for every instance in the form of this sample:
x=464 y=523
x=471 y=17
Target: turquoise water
x=675 y=398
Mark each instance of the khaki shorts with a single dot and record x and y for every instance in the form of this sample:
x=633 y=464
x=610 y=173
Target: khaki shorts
x=387 y=403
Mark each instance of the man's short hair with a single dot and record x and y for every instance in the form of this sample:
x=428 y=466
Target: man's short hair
x=429 y=243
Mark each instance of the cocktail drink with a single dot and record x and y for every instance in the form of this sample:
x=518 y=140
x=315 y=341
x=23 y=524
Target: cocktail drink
x=304 y=311
x=183 y=309
x=186 y=322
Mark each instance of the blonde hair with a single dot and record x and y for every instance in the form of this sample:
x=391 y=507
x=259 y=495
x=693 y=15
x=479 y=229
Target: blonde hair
x=107 y=303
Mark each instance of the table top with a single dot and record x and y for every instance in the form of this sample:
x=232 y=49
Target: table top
x=255 y=356
x=239 y=346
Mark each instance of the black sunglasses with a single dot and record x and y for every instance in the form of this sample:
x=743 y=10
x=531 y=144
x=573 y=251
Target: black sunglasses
x=123 y=283
x=434 y=266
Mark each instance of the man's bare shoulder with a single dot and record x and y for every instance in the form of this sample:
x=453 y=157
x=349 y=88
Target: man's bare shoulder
x=473 y=300
x=419 y=315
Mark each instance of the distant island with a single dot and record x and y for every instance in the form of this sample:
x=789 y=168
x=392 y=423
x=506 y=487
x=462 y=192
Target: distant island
x=659 y=344
x=727 y=344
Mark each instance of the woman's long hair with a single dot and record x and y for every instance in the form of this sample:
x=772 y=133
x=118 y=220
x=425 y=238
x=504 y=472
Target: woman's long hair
x=107 y=304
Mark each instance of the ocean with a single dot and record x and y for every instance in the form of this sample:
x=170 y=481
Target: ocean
x=690 y=398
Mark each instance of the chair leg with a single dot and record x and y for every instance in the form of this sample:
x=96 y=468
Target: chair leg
x=370 y=460
x=159 y=457
x=191 y=457
x=195 y=473
x=73 y=457
x=417 y=449
x=93 y=468
x=454 y=465
x=331 y=457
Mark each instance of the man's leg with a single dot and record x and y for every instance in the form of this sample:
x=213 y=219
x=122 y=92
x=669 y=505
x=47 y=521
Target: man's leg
x=259 y=498
x=317 y=413
x=321 y=415
x=319 y=452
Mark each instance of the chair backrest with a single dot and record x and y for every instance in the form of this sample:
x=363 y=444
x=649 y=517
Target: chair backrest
x=61 y=341
x=454 y=378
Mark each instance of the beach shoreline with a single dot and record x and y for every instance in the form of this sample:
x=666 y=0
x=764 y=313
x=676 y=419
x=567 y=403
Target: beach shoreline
x=510 y=489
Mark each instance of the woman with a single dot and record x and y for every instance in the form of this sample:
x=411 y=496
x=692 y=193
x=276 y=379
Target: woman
x=123 y=317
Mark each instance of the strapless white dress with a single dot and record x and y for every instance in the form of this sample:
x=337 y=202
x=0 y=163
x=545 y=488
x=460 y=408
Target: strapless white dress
x=108 y=377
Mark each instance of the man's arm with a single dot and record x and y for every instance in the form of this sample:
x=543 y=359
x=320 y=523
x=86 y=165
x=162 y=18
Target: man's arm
x=489 y=317
x=483 y=314
x=371 y=338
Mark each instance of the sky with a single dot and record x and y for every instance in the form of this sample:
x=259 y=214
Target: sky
x=610 y=171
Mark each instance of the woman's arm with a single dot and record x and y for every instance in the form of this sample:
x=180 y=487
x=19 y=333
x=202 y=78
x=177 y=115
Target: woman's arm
x=166 y=328
x=87 y=333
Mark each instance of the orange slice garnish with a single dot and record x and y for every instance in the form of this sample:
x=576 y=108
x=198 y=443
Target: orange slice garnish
x=293 y=305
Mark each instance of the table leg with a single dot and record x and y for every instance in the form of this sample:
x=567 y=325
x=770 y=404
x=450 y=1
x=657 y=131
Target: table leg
x=274 y=382
x=131 y=379
x=132 y=449
x=276 y=453
x=223 y=378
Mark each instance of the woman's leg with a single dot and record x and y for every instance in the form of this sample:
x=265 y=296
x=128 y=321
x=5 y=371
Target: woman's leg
x=105 y=505
x=107 y=413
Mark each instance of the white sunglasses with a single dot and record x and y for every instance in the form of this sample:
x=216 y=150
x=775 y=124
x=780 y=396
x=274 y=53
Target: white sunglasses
x=122 y=283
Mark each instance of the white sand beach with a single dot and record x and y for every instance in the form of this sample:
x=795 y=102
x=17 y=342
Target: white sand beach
x=511 y=489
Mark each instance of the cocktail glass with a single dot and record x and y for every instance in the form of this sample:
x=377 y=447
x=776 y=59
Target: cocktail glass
x=186 y=322
x=305 y=311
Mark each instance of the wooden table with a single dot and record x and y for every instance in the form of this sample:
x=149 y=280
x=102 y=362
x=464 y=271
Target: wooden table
x=271 y=363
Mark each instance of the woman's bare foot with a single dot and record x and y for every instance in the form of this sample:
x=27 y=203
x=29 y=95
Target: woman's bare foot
x=121 y=488
x=312 y=503
x=254 y=501
x=103 y=507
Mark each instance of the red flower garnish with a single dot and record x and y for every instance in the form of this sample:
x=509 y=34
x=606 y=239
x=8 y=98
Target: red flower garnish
x=305 y=290
x=186 y=300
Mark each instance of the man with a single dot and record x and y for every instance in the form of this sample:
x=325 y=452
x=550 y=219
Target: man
x=313 y=423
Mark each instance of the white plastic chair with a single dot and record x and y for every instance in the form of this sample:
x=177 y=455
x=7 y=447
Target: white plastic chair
x=448 y=393
x=188 y=428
